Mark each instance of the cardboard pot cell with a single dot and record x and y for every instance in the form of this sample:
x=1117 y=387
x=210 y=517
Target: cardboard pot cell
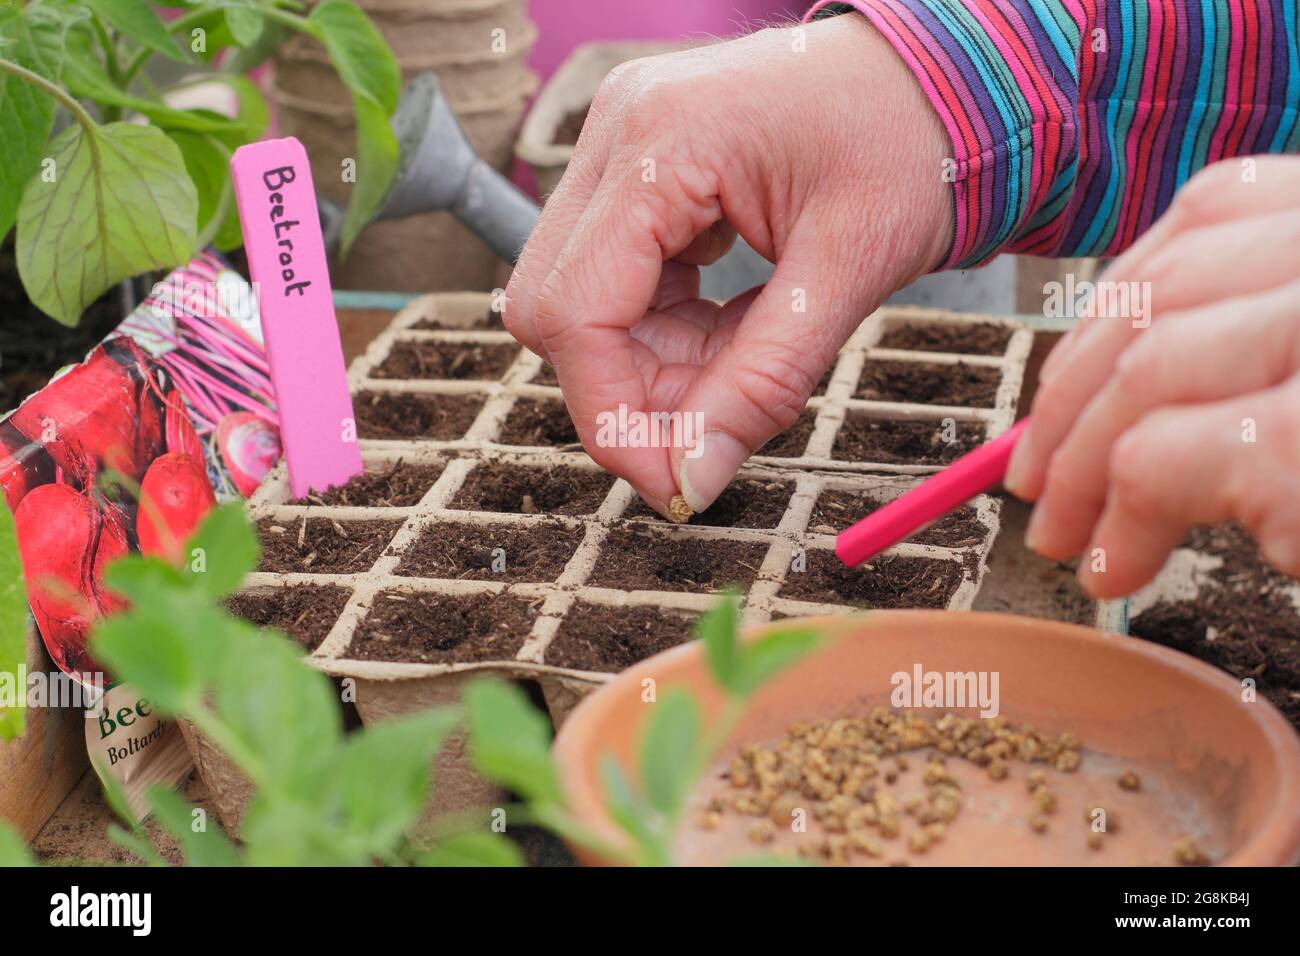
x=1211 y=765
x=481 y=444
x=570 y=90
x=228 y=787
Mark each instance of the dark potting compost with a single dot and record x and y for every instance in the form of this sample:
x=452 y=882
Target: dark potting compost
x=486 y=321
x=792 y=442
x=570 y=128
x=442 y=629
x=546 y=376
x=305 y=612
x=836 y=510
x=644 y=559
x=913 y=442
x=745 y=503
x=490 y=553
x=886 y=582
x=395 y=415
x=538 y=422
x=398 y=485
x=446 y=360
x=929 y=383
x=531 y=490
x=983 y=338
x=1244 y=618
x=323 y=545
x=600 y=637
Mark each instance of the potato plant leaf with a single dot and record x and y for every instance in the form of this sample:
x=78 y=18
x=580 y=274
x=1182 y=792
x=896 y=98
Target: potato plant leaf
x=32 y=38
x=772 y=653
x=369 y=70
x=136 y=19
x=245 y=24
x=13 y=623
x=120 y=203
x=717 y=628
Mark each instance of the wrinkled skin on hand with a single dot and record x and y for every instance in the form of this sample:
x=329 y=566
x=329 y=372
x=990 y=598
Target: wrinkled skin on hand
x=819 y=148
x=1141 y=431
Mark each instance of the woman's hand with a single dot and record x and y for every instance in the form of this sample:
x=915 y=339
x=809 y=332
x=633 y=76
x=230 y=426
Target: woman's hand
x=1140 y=433
x=813 y=143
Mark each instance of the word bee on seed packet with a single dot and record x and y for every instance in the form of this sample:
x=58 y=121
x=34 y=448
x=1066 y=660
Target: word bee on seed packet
x=127 y=451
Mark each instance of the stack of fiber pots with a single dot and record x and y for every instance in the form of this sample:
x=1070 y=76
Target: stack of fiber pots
x=479 y=51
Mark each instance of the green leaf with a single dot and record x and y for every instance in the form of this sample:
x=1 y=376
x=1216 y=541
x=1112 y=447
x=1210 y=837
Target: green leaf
x=510 y=741
x=204 y=847
x=135 y=844
x=369 y=70
x=473 y=849
x=137 y=577
x=771 y=654
x=13 y=851
x=229 y=549
x=284 y=712
x=85 y=78
x=160 y=657
x=245 y=24
x=136 y=20
x=378 y=155
x=359 y=53
x=631 y=813
x=33 y=39
x=255 y=54
x=13 y=624
x=121 y=204
x=207 y=160
x=668 y=748
x=717 y=628
x=399 y=753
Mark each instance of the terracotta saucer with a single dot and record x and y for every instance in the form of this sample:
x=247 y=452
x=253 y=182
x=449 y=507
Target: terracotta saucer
x=1216 y=768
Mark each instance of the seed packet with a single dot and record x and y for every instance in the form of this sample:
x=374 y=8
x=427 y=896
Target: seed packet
x=127 y=451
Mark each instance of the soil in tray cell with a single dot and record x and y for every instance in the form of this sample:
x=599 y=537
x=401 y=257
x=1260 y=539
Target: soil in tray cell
x=918 y=442
x=396 y=485
x=401 y=415
x=306 y=612
x=643 y=559
x=1244 y=618
x=543 y=423
x=489 y=321
x=325 y=546
x=975 y=338
x=836 y=510
x=446 y=360
x=746 y=503
x=516 y=489
x=598 y=637
x=534 y=553
x=929 y=383
x=792 y=442
x=566 y=134
x=546 y=376
x=442 y=629
x=885 y=582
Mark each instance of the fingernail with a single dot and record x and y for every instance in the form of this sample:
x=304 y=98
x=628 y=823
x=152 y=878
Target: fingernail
x=1017 y=468
x=1034 y=532
x=709 y=467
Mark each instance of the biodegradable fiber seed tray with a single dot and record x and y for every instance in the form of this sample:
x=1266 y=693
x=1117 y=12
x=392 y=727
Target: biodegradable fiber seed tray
x=515 y=555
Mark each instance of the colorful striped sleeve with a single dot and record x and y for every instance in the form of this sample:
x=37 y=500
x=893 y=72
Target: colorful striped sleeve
x=1073 y=122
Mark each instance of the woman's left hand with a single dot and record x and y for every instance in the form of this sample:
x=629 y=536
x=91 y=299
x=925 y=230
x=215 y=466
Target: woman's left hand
x=1140 y=433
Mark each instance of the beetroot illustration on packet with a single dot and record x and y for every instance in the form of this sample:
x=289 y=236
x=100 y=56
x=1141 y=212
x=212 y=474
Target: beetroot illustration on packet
x=129 y=449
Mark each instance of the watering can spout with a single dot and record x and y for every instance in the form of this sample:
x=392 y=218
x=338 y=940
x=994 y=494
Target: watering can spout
x=439 y=171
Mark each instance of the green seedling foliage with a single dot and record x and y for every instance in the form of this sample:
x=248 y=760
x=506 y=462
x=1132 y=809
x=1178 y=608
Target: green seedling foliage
x=108 y=198
x=13 y=624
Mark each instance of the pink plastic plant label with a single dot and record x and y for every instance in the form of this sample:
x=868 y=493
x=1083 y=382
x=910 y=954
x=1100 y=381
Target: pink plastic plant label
x=286 y=259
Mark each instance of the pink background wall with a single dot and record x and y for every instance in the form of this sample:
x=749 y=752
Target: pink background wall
x=564 y=24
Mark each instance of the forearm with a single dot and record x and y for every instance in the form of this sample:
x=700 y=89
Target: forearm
x=1074 y=121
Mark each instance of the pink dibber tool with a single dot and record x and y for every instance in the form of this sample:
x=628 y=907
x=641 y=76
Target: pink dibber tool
x=286 y=257
x=932 y=499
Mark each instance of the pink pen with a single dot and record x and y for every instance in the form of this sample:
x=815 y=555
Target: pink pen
x=932 y=499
